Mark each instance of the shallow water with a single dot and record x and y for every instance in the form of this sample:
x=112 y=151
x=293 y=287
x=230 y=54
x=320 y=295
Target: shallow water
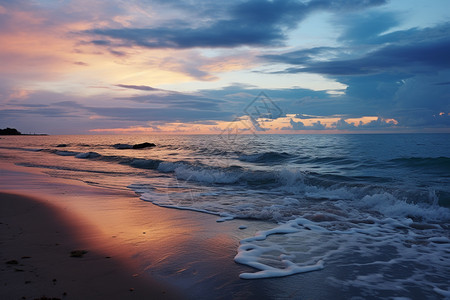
x=369 y=211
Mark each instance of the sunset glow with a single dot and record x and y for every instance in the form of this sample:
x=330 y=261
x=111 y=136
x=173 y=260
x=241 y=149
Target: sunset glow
x=86 y=67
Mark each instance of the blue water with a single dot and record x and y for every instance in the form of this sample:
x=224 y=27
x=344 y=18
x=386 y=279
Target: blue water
x=373 y=208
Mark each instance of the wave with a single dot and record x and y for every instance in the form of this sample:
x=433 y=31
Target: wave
x=378 y=195
x=66 y=153
x=23 y=149
x=391 y=206
x=88 y=155
x=266 y=157
x=290 y=181
x=151 y=164
x=334 y=160
x=347 y=206
x=207 y=175
x=122 y=146
x=291 y=193
x=436 y=163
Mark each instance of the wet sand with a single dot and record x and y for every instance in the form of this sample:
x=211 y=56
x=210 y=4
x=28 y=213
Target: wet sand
x=39 y=258
x=135 y=250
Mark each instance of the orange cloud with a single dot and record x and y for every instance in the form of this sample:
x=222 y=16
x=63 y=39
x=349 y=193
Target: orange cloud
x=244 y=125
x=37 y=50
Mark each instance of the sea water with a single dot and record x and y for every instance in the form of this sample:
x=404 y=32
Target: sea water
x=370 y=211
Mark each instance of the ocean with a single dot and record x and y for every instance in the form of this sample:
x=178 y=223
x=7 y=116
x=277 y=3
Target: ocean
x=371 y=211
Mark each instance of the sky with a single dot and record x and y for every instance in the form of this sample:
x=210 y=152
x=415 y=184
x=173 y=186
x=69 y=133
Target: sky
x=251 y=66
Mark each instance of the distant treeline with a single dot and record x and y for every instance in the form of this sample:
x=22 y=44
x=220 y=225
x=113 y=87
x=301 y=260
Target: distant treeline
x=9 y=131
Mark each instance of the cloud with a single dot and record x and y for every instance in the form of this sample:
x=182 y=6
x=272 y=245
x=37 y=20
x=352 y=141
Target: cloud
x=300 y=57
x=80 y=63
x=295 y=125
x=248 y=23
x=175 y=101
x=136 y=48
x=342 y=124
x=221 y=34
x=408 y=51
x=299 y=125
x=159 y=98
x=401 y=75
x=139 y=87
x=159 y=105
x=159 y=114
x=421 y=57
x=379 y=123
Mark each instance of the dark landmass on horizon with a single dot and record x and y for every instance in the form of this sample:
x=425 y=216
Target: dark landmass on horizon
x=13 y=131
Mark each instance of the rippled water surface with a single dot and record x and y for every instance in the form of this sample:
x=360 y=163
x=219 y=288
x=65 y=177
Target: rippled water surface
x=374 y=209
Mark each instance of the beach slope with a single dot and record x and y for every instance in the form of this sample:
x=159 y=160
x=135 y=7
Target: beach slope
x=37 y=260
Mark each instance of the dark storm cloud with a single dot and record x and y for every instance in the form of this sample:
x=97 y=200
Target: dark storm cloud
x=421 y=117
x=221 y=34
x=250 y=23
x=299 y=57
x=402 y=74
x=408 y=51
x=422 y=57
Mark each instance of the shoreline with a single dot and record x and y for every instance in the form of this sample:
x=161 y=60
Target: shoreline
x=178 y=254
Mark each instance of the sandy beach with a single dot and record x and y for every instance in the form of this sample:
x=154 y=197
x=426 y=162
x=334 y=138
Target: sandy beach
x=42 y=256
x=135 y=250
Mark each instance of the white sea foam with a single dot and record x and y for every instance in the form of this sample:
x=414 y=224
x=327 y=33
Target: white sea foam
x=225 y=217
x=168 y=166
x=187 y=172
x=386 y=244
x=249 y=254
x=291 y=177
x=165 y=200
x=389 y=205
x=252 y=254
x=206 y=175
